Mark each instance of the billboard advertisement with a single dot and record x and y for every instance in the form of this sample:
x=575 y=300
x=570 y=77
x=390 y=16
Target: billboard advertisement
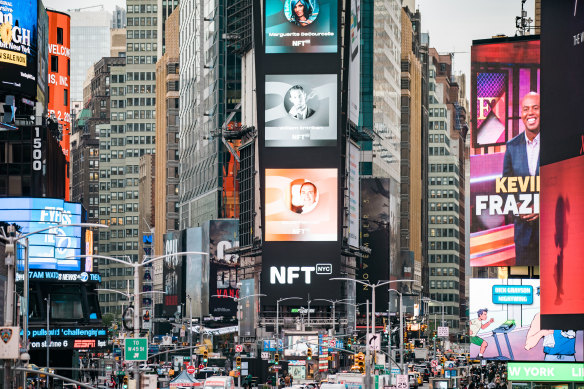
x=354 y=194
x=562 y=157
x=173 y=272
x=18 y=47
x=301 y=110
x=48 y=250
x=301 y=205
x=505 y=324
x=301 y=26
x=249 y=308
x=223 y=235
x=355 y=62
x=504 y=152
x=196 y=278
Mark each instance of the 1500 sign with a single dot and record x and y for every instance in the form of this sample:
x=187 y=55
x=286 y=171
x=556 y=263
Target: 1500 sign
x=37 y=153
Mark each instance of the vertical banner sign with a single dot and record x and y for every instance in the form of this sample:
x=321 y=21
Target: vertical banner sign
x=375 y=222
x=248 y=308
x=354 y=203
x=355 y=62
x=504 y=152
x=301 y=168
x=172 y=270
x=562 y=172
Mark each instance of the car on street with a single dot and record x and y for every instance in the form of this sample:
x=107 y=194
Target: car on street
x=424 y=372
x=414 y=379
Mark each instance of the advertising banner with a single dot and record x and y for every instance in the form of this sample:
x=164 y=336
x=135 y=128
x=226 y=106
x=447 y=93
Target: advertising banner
x=197 y=272
x=375 y=232
x=505 y=324
x=48 y=250
x=301 y=110
x=301 y=26
x=248 y=309
x=301 y=205
x=173 y=272
x=223 y=235
x=558 y=372
x=355 y=62
x=504 y=152
x=562 y=171
x=354 y=192
x=18 y=46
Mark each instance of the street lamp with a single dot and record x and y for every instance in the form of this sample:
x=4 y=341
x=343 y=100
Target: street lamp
x=401 y=332
x=277 y=332
x=373 y=287
x=136 y=266
x=355 y=311
x=333 y=302
x=428 y=301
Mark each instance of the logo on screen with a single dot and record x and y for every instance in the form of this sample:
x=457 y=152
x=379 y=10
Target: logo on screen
x=324 y=268
x=287 y=274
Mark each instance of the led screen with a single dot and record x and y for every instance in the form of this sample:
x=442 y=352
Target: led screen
x=301 y=110
x=301 y=26
x=504 y=154
x=48 y=249
x=562 y=150
x=301 y=205
x=18 y=46
x=562 y=234
x=505 y=324
x=297 y=346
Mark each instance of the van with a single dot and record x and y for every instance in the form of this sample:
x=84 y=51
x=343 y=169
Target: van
x=219 y=382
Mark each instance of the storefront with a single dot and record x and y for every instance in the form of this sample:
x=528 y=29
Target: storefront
x=555 y=375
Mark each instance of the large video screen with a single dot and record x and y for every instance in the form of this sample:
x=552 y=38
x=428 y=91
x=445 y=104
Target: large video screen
x=18 y=47
x=301 y=26
x=301 y=205
x=504 y=153
x=49 y=249
x=505 y=324
x=562 y=151
x=301 y=110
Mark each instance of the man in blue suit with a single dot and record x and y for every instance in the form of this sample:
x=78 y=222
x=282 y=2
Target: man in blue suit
x=521 y=160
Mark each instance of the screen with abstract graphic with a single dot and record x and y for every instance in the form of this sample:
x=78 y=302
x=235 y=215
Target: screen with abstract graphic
x=504 y=153
x=301 y=26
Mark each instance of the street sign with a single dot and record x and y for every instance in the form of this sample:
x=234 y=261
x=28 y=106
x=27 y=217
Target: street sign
x=265 y=355
x=136 y=349
x=238 y=348
x=402 y=381
x=434 y=363
x=10 y=339
x=443 y=331
x=191 y=369
x=374 y=342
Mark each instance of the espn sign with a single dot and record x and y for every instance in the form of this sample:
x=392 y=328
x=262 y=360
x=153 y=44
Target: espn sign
x=84 y=343
x=287 y=274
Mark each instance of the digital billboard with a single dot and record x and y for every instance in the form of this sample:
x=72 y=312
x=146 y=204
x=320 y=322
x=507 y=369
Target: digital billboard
x=562 y=154
x=355 y=62
x=504 y=152
x=49 y=249
x=301 y=26
x=18 y=46
x=223 y=235
x=301 y=110
x=505 y=324
x=173 y=272
x=301 y=205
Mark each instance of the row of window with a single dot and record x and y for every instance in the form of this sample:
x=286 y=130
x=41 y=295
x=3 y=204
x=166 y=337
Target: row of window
x=438 y=151
x=444 y=232
x=120 y=246
x=443 y=168
x=128 y=232
x=437 y=125
x=142 y=34
x=142 y=21
x=446 y=271
x=439 y=138
x=445 y=246
x=437 y=112
x=448 y=310
x=436 y=194
x=142 y=59
x=141 y=76
x=443 y=258
x=120 y=221
x=444 y=297
x=142 y=8
x=443 y=207
x=443 y=181
x=136 y=140
x=141 y=89
x=132 y=127
x=441 y=284
x=141 y=47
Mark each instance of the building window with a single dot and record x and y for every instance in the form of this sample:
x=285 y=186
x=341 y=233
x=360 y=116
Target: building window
x=54 y=63
x=66 y=97
x=59 y=35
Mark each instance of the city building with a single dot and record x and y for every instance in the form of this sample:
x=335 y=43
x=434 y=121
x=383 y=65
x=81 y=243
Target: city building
x=167 y=164
x=90 y=41
x=210 y=83
x=165 y=9
x=411 y=188
x=446 y=251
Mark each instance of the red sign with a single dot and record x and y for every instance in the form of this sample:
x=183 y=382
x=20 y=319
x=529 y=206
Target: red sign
x=238 y=348
x=190 y=369
x=84 y=343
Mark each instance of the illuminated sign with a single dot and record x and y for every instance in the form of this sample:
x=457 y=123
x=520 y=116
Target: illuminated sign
x=301 y=110
x=301 y=26
x=564 y=372
x=49 y=249
x=504 y=183
x=61 y=276
x=505 y=294
x=18 y=46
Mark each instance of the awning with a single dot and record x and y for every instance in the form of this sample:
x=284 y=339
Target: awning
x=184 y=379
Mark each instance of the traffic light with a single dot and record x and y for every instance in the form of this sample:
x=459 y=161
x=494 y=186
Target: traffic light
x=238 y=362
x=360 y=362
x=309 y=354
x=276 y=358
x=125 y=386
x=205 y=356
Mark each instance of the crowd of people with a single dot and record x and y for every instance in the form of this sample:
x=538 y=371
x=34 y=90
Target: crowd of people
x=493 y=375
